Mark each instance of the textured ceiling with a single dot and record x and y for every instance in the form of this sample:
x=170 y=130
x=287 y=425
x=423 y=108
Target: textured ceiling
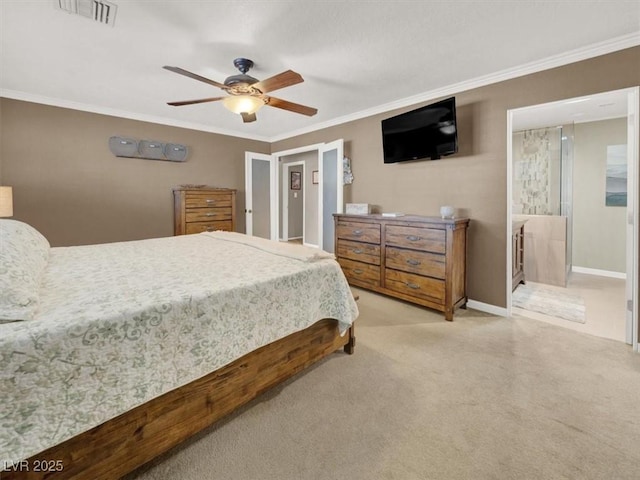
x=355 y=56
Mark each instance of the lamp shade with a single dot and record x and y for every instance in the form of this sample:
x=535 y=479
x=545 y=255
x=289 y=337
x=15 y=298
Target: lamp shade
x=6 y=202
x=243 y=103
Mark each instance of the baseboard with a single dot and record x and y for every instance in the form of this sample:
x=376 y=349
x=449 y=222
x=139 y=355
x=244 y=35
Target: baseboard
x=602 y=273
x=487 y=308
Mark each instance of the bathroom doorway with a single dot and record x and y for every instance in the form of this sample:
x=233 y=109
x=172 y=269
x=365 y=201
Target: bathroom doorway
x=560 y=207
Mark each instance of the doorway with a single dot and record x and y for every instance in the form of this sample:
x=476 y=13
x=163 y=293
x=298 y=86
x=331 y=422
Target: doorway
x=329 y=178
x=579 y=112
x=295 y=191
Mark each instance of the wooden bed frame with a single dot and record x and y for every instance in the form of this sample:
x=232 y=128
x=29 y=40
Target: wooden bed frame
x=130 y=440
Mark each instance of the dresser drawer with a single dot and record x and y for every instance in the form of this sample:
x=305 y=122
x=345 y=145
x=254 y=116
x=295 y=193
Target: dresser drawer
x=415 y=285
x=207 y=214
x=414 y=261
x=204 y=199
x=358 y=251
x=361 y=232
x=428 y=239
x=359 y=273
x=199 y=227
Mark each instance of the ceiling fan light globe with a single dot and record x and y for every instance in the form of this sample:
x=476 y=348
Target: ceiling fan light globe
x=243 y=104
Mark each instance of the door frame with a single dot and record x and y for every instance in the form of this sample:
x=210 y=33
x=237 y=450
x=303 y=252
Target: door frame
x=633 y=196
x=633 y=204
x=276 y=158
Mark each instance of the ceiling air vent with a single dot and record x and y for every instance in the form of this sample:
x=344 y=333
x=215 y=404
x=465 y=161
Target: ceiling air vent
x=97 y=10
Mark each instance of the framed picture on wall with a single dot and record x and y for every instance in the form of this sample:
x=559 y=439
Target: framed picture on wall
x=314 y=176
x=616 y=181
x=296 y=180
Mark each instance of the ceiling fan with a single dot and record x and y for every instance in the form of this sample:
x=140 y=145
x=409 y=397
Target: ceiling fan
x=247 y=94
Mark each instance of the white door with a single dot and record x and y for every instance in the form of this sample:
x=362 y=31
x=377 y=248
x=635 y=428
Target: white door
x=330 y=171
x=260 y=187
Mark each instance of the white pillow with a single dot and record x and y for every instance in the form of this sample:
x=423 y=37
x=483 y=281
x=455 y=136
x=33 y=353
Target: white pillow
x=24 y=253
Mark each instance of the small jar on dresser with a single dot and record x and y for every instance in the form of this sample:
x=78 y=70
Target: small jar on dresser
x=413 y=258
x=203 y=209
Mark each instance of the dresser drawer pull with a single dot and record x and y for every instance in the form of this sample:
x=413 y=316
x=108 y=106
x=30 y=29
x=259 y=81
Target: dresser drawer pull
x=208 y=200
x=412 y=285
x=358 y=250
x=210 y=214
x=357 y=232
x=413 y=238
x=358 y=271
x=413 y=262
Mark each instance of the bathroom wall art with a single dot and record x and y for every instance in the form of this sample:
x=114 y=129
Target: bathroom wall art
x=616 y=177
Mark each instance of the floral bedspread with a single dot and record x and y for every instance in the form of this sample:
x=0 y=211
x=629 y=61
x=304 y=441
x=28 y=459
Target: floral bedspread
x=122 y=323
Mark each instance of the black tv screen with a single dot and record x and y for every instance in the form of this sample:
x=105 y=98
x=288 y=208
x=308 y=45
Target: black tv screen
x=428 y=132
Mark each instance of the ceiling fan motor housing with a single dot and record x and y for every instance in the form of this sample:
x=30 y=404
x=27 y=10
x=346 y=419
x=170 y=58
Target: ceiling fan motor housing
x=244 y=65
x=241 y=78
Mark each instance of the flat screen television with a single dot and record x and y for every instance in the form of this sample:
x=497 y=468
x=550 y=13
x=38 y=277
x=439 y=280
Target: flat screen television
x=429 y=132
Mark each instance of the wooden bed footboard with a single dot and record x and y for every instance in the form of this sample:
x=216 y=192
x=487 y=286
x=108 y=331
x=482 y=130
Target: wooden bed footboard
x=130 y=440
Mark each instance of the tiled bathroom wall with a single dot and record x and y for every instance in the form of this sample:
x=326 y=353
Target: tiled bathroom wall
x=536 y=182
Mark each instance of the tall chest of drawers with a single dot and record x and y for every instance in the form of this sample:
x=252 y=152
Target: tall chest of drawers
x=413 y=258
x=207 y=209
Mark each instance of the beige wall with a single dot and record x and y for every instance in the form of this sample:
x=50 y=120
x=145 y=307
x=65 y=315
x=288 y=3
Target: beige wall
x=474 y=180
x=599 y=232
x=69 y=185
x=1 y=129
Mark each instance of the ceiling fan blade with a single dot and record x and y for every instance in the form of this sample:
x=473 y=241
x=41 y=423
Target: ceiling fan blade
x=194 y=76
x=292 y=107
x=281 y=80
x=191 y=102
x=248 y=117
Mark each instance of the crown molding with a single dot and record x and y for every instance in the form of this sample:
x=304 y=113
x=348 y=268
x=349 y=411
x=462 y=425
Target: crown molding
x=584 y=53
x=112 y=112
x=594 y=50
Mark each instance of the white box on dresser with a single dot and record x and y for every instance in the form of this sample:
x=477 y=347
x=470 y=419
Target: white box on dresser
x=358 y=208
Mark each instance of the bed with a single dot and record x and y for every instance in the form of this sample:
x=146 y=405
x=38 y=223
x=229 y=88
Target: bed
x=112 y=354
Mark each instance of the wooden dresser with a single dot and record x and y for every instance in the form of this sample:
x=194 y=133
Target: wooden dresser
x=418 y=259
x=204 y=209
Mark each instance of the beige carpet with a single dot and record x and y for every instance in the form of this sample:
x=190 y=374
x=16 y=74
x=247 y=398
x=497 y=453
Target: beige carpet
x=480 y=398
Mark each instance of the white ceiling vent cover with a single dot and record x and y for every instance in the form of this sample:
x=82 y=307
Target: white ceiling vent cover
x=97 y=10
